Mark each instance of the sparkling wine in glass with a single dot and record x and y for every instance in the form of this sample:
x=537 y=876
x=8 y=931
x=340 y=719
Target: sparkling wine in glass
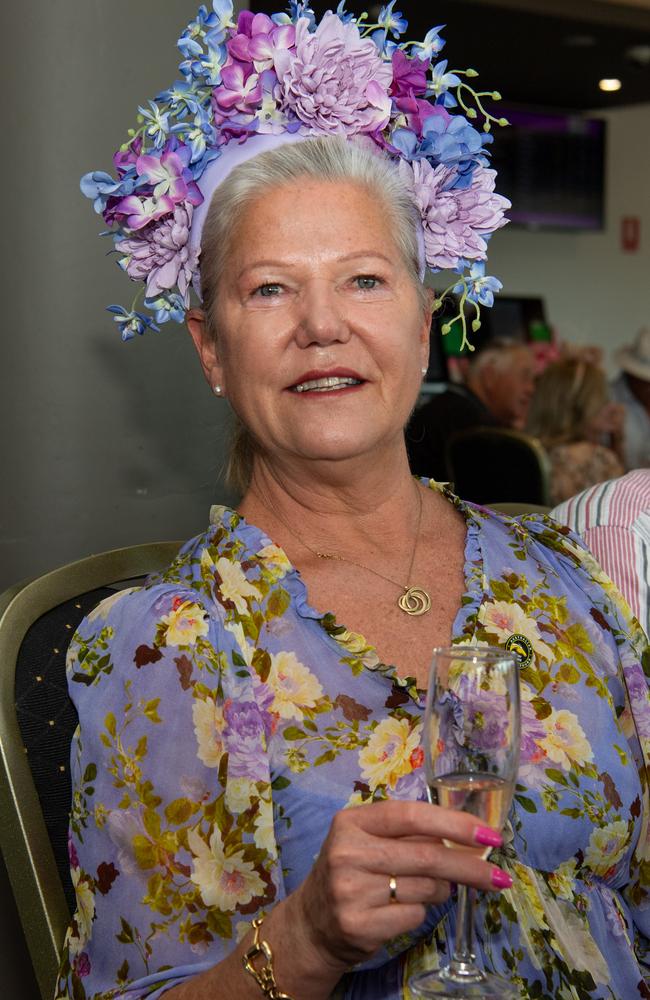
x=471 y=737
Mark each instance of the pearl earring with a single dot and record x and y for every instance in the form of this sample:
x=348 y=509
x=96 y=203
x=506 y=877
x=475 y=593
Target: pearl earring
x=216 y=390
x=424 y=370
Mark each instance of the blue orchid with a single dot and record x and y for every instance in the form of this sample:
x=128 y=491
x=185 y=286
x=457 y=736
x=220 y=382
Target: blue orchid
x=158 y=123
x=198 y=167
x=167 y=307
x=223 y=10
x=100 y=186
x=212 y=64
x=296 y=10
x=199 y=135
x=189 y=47
x=441 y=80
x=481 y=288
x=385 y=45
x=432 y=43
x=189 y=42
x=344 y=15
x=392 y=21
x=181 y=96
x=131 y=323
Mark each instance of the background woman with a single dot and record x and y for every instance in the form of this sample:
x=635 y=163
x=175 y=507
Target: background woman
x=572 y=417
x=249 y=741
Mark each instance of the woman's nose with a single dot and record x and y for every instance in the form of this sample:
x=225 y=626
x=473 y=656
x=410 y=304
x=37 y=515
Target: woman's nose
x=322 y=317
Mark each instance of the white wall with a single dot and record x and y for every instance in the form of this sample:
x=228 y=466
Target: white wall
x=595 y=292
x=104 y=443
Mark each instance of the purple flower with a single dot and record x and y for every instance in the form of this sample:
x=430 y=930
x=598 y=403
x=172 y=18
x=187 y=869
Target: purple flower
x=335 y=81
x=240 y=90
x=138 y=211
x=244 y=739
x=169 y=175
x=637 y=687
x=125 y=159
x=486 y=722
x=72 y=853
x=258 y=39
x=81 y=965
x=456 y=221
x=532 y=731
x=409 y=75
x=159 y=254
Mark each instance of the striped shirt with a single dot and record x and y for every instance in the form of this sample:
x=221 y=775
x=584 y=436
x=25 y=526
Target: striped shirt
x=613 y=518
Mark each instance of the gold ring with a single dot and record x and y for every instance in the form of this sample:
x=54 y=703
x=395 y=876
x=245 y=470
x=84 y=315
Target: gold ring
x=392 y=889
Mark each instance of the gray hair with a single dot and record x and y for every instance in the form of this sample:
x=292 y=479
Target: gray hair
x=331 y=158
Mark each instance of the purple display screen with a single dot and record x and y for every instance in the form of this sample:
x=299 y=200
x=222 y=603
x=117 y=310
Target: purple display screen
x=552 y=167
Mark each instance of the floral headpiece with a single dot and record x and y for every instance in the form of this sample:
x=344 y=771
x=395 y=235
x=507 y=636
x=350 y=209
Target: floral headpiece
x=288 y=75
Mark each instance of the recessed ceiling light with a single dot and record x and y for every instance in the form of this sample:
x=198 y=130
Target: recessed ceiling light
x=610 y=85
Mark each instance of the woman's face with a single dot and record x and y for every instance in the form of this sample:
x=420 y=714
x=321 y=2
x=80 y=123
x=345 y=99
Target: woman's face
x=321 y=335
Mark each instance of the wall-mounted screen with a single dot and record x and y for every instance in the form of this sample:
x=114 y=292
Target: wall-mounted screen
x=552 y=168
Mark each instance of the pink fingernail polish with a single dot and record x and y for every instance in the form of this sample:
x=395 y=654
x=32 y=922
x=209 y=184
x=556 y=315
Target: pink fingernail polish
x=500 y=879
x=487 y=837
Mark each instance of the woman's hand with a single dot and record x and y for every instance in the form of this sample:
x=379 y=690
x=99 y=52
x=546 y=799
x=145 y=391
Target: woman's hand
x=345 y=902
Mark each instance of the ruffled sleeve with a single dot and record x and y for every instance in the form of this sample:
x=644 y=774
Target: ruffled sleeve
x=172 y=847
x=611 y=613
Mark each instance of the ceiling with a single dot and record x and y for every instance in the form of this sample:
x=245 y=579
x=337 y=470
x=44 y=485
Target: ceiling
x=542 y=53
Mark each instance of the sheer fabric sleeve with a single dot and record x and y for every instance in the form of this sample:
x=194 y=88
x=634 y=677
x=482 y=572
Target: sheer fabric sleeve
x=611 y=612
x=172 y=848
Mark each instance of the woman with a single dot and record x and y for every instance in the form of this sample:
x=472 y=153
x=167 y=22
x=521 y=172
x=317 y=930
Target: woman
x=571 y=415
x=249 y=816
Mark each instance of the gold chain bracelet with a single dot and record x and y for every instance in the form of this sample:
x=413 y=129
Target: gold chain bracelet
x=263 y=976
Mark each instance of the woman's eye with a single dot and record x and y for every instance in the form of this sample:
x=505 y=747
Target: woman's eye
x=268 y=290
x=367 y=281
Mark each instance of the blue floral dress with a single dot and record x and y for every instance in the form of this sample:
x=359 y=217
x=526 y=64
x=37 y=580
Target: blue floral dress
x=224 y=721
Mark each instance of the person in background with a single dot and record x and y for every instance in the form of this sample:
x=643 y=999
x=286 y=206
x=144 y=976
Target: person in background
x=613 y=519
x=498 y=388
x=632 y=389
x=571 y=414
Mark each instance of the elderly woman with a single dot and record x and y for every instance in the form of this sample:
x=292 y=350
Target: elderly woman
x=250 y=814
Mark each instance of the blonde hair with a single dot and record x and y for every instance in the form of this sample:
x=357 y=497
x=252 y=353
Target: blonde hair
x=568 y=395
x=333 y=159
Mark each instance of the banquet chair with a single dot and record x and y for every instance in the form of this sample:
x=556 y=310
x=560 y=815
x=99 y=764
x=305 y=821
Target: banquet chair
x=518 y=509
x=37 y=720
x=491 y=465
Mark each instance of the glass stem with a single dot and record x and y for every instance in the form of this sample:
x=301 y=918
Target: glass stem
x=463 y=962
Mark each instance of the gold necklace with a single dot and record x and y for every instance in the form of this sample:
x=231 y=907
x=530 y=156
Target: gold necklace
x=414 y=601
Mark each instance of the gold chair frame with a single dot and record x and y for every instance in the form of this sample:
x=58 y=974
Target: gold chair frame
x=24 y=842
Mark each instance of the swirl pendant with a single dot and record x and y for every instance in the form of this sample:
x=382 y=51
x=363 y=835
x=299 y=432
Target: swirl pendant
x=414 y=601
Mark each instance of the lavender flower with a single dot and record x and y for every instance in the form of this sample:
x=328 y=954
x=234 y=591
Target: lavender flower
x=456 y=221
x=159 y=254
x=335 y=81
x=244 y=738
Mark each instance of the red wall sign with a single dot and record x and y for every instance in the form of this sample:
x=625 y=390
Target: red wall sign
x=630 y=233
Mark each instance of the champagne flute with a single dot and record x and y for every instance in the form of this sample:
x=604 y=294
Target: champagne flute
x=471 y=737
